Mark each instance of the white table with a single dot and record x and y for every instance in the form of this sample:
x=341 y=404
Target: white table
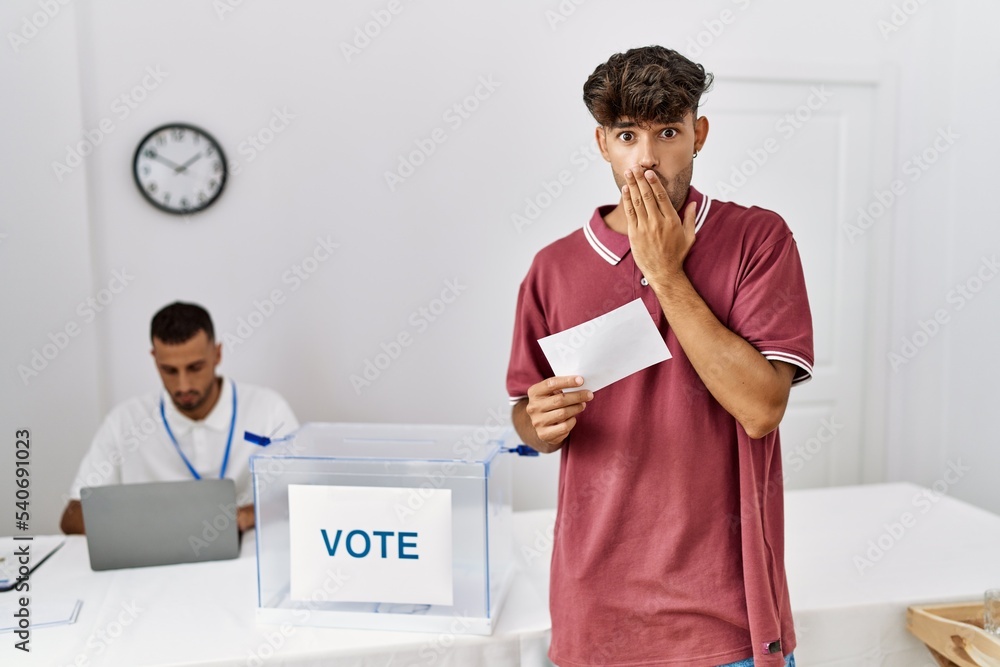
x=847 y=613
x=204 y=614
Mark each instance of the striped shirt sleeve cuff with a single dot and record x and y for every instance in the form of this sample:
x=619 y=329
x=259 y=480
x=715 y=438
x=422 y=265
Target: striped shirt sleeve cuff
x=805 y=369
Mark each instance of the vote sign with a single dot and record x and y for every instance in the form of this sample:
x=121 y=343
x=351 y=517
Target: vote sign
x=380 y=547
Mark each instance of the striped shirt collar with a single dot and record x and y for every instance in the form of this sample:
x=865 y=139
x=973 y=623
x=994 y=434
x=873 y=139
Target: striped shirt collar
x=612 y=246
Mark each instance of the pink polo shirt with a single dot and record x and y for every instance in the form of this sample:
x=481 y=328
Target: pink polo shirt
x=669 y=536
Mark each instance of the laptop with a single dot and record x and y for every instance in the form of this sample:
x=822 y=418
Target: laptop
x=160 y=523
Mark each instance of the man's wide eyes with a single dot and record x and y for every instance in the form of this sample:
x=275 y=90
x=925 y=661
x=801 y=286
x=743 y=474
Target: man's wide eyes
x=668 y=133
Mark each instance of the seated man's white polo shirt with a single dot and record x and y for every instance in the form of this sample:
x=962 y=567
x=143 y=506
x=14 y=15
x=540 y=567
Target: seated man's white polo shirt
x=133 y=445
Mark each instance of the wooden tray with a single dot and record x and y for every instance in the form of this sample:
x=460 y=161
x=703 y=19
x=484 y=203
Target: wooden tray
x=954 y=634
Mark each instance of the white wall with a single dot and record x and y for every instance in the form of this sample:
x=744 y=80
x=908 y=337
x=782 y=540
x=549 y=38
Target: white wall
x=947 y=396
x=45 y=267
x=323 y=176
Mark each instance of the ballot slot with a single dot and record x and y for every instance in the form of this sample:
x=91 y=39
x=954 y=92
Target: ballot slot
x=385 y=526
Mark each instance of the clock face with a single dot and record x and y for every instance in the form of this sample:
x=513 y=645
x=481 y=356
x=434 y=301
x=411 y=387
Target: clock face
x=179 y=168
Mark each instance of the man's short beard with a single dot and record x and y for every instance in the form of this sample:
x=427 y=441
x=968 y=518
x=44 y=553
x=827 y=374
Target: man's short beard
x=205 y=395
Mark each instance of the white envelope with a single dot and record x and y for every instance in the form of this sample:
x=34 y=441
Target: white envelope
x=607 y=348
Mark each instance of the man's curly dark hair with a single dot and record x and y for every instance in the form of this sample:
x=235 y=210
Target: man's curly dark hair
x=646 y=84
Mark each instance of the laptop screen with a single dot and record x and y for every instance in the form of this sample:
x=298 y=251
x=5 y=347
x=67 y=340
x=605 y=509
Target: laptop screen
x=160 y=523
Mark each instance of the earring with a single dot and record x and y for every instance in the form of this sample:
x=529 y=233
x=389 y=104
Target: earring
x=695 y=154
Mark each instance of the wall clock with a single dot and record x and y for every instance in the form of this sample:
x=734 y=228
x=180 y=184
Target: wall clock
x=179 y=168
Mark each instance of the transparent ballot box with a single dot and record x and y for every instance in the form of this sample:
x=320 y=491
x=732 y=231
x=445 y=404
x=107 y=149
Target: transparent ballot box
x=384 y=526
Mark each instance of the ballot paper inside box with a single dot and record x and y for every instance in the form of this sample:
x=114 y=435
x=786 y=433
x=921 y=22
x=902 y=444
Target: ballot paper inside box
x=384 y=526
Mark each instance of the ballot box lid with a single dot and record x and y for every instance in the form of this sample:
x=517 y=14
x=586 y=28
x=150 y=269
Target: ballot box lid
x=389 y=442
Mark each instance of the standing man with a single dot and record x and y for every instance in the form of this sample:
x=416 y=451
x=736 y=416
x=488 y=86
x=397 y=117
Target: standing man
x=669 y=537
x=192 y=429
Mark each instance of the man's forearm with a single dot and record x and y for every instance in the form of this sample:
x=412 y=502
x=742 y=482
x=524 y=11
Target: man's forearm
x=747 y=385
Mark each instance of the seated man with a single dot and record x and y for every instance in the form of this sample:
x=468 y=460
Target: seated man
x=192 y=429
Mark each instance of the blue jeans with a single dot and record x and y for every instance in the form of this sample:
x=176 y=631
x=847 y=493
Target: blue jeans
x=789 y=662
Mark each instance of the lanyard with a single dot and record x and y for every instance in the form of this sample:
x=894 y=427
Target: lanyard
x=229 y=440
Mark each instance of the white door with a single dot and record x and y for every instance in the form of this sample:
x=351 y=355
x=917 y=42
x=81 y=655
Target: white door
x=808 y=149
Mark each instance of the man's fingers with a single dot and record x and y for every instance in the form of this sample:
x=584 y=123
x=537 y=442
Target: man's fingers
x=659 y=191
x=627 y=205
x=557 y=401
x=554 y=384
x=644 y=191
x=635 y=195
x=556 y=434
x=557 y=416
x=553 y=405
x=564 y=399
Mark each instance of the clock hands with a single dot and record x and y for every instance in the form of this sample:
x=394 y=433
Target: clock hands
x=178 y=168
x=165 y=161
x=187 y=164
